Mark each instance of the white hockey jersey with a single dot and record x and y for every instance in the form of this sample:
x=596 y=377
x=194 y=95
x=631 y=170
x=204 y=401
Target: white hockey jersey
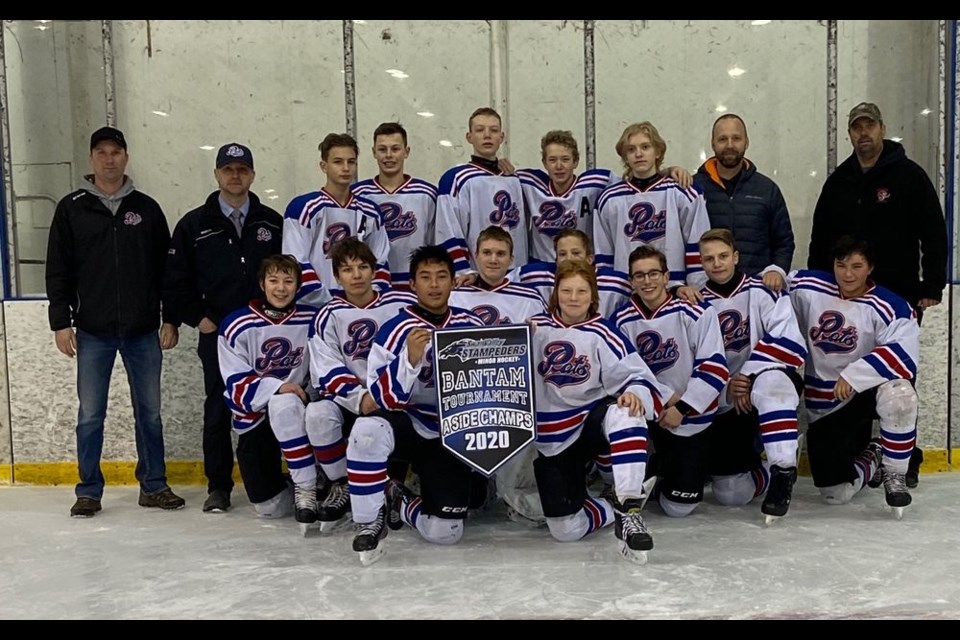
x=578 y=366
x=340 y=340
x=396 y=385
x=470 y=199
x=612 y=285
x=759 y=329
x=313 y=222
x=258 y=355
x=665 y=216
x=868 y=340
x=682 y=345
x=551 y=212
x=506 y=303
x=409 y=213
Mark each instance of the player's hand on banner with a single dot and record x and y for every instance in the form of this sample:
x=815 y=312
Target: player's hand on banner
x=670 y=418
x=417 y=342
x=842 y=390
x=367 y=404
x=169 y=336
x=688 y=293
x=465 y=280
x=679 y=175
x=506 y=166
x=66 y=341
x=773 y=281
x=292 y=387
x=631 y=403
x=926 y=303
x=207 y=326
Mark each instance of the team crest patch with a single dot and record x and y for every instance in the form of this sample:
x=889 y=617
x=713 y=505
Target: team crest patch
x=234 y=151
x=264 y=235
x=132 y=218
x=883 y=194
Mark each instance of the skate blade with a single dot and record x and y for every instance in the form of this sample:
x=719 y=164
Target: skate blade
x=632 y=555
x=367 y=558
x=333 y=526
x=515 y=516
x=898 y=512
x=769 y=520
x=307 y=527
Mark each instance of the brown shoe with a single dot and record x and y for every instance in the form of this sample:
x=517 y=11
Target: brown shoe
x=84 y=508
x=164 y=499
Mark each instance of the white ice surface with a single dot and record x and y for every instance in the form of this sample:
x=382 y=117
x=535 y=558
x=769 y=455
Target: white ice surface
x=853 y=561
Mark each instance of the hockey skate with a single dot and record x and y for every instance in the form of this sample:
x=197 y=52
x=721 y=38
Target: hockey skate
x=334 y=511
x=398 y=496
x=874 y=449
x=777 y=501
x=367 y=541
x=898 y=496
x=632 y=533
x=305 y=507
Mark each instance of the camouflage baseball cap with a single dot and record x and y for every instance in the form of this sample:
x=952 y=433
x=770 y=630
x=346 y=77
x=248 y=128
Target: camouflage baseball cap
x=864 y=110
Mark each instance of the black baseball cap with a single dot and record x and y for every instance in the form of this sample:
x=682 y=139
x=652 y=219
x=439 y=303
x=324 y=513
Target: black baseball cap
x=108 y=133
x=234 y=152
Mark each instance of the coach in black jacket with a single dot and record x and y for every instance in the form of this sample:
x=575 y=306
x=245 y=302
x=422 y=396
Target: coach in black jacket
x=212 y=270
x=746 y=202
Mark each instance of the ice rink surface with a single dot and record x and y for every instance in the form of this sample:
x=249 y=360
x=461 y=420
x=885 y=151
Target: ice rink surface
x=853 y=561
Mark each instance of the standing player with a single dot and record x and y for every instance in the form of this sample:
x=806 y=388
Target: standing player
x=314 y=222
x=863 y=341
x=763 y=349
x=647 y=209
x=263 y=360
x=682 y=345
x=594 y=394
x=400 y=378
x=408 y=205
x=475 y=195
x=340 y=341
x=574 y=244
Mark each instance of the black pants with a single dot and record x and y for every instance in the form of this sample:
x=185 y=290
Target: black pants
x=260 y=462
x=217 y=445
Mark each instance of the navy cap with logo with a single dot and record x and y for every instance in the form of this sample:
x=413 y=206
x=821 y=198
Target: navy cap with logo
x=108 y=133
x=234 y=152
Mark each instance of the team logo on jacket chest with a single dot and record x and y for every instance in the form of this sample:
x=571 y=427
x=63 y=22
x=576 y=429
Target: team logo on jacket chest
x=554 y=217
x=830 y=336
x=361 y=334
x=264 y=235
x=132 y=219
x=646 y=223
x=279 y=358
x=883 y=194
x=334 y=234
x=399 y=223
x=490 y=315
x=659 y=354
x=735 y=329
x=506 y=214
x=561 y=366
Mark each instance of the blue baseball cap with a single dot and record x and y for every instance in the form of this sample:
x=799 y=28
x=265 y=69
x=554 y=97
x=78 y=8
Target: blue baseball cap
x=234 y=152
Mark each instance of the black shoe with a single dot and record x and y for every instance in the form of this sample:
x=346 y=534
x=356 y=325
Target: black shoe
x=780 y=492
x=218 y=501
x=84 y=508
x=913 y=468
x=163 y=499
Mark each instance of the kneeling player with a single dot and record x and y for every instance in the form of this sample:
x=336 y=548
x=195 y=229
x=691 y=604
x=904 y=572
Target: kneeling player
x=763 y=349
x=594 y=394
x=863 y=342
x=401 y=381
x=264 y=364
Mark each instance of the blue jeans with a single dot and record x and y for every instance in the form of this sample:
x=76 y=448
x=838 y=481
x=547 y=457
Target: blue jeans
x=142 y=359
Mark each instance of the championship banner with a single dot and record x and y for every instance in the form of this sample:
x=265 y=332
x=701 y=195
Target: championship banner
x=485 y=390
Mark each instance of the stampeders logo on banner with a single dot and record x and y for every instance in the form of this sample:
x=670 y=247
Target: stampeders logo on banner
x=485 y=392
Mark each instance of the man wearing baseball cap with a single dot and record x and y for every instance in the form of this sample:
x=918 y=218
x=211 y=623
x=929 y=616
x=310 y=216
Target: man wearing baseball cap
x=881 y=196
x=211 y=271
x=104 y=274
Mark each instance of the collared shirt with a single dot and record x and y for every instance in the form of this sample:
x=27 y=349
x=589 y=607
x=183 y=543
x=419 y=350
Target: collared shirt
x=228 y=209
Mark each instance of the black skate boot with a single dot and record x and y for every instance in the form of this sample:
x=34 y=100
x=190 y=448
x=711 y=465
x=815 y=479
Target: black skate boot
x=895 y=486
x=369 y=535
x=632 y=533
x=398 y=497
x=777 y=501
x=335 y=508
x=305 y=506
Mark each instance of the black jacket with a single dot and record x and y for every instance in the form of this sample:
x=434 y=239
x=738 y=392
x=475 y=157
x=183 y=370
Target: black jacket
x=894 y=207
x=756 y=214
x=210 y=271
x=105 y=271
